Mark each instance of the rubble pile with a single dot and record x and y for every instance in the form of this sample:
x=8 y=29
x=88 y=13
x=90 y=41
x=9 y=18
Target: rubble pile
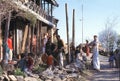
x=71 y=72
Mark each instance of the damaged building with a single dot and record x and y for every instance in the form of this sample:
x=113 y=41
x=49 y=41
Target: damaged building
x=26 y=18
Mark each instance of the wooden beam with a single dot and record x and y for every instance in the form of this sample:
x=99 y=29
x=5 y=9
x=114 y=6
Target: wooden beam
x=24 y=39
x=40 y=24
x=48 y=9
x=38 y=40
x=37 y=37
x=29 y=41
x=51 y=9
x=16 y=38
x=41 y=4
x=7 y=27
x=32 y=33
x=0 y=30
x=44 y=4
x=1 y=52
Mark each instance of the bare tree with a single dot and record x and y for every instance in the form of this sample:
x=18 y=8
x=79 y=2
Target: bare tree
x=108 y=37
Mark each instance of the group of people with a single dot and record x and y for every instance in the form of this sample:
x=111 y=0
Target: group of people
x=55 y=52
x=85 y=51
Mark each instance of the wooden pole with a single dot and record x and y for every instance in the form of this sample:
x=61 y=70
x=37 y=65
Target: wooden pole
x=73 y=28
x=1 y=52
x=40 y=24
x=48 y=9
x=24 y=39
x=39 y=36
x=29 y=38
x=5 y=38
x=27 y=45
x=7 y=27
x=0 y=26
x=67 y=31
x=15 y=32
x=51 y=9
x=44 y=4
x=0 y=31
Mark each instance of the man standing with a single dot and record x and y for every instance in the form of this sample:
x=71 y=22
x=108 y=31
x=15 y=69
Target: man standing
x=95 y=50
x=44 y=41
x=60 y=47
x=87 y=50
x=34 y=43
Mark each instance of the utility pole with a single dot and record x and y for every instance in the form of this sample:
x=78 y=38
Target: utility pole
x=73 y=28
x=82 y=23
x=67 y=31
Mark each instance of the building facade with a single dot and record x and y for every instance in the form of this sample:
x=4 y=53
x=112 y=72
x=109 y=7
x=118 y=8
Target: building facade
x=28 y=18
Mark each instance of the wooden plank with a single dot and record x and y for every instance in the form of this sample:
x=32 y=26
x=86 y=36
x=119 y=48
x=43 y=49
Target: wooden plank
x=6 y=77
x=24 y=39
x=29 y=39
x=12 y=78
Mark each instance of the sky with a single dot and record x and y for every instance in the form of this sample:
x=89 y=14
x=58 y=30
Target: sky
x=95 y=15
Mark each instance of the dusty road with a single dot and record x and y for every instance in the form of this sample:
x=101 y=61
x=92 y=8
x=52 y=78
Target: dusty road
x=106 y=73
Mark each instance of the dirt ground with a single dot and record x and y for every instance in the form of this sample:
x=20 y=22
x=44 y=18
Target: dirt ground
x=106 y=73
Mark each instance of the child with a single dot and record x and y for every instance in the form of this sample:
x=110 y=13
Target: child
x=111 y=59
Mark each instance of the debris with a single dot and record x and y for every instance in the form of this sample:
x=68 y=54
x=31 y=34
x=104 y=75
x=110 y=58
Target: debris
x=12 y=78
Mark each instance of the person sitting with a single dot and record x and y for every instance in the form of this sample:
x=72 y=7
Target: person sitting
x=30 y=62
x=50 y=48
x=26 y=64
x=50 y=60
x=22 y=64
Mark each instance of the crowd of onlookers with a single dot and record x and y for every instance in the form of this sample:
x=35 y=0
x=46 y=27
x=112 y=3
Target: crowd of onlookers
x=55 y=53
